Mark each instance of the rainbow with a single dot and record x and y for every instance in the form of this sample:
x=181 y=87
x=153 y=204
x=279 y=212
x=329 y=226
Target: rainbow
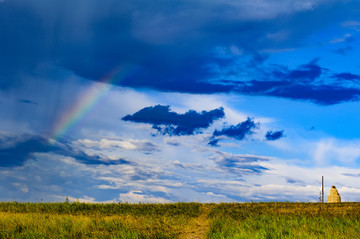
x=86 y=102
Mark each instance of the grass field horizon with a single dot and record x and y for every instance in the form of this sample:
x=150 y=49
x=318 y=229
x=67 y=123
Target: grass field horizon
x=180 y=220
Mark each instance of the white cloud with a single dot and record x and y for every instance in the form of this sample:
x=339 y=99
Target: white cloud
x=105 y=143
x=22 y=187
x=355 y=25
x=179 y=180
x=139 y=196
x=328 y=151
x=341 y=39
x=130 y=144
x=215 y=195
x=85 y=199
x=307 y=181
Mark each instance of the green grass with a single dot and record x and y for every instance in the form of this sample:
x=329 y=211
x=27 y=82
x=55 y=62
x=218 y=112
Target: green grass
x=285 y=220
x=179 y=220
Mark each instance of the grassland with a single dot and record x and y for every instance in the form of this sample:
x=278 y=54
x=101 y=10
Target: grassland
x=179 y=220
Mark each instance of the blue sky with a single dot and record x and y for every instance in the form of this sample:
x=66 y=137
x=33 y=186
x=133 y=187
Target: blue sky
x=167 y=101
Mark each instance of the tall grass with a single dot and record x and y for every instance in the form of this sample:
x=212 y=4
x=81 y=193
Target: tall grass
x=77 y=208
x=285 y=220
x=179 y=220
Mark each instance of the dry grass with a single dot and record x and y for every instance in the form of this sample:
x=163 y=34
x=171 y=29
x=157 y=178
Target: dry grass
x=80 y=220
x=35 y=225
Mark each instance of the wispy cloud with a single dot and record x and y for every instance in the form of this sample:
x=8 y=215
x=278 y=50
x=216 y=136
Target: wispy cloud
x=25 y=101
x=352 y=24
x=331 y=151
x=352 y=174
x=239 y=164
x=346 y=38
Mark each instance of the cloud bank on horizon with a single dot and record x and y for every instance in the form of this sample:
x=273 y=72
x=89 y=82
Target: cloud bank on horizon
x=206 y=100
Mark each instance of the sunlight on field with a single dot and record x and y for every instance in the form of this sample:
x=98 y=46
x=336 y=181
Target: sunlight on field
x=179 y=220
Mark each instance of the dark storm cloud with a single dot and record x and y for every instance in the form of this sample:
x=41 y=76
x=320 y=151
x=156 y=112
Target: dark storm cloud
x=22 y=148
x=307 y=83
x=270 y=135
x=322 y=94
x=16 y=155
x=238 y=131
x=307 y=72
x=214 y=142
x=346 y=76
x=169 y=45
x=172 y=123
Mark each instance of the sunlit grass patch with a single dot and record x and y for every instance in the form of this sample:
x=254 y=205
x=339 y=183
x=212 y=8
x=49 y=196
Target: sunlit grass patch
x=80 y=220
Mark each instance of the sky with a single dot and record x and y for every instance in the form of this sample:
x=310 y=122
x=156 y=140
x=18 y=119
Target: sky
x=179 y=101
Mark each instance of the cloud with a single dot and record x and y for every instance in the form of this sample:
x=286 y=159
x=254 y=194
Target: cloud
x=25 y=101
x=346 y=76
x=139 y=196
x=308 y=82
x=239 y=164
x=214 y=142
x=336 y=152
x=16 y=155
x=270 y=135
x=24 y=147
x=304 y=83
x=356 y=175
x=239 y=177
x=131 y=144
x=343 y=50
x=295 y=181
x=306 y=72
x=322 y=94
x=85 y=199
x=23 y=188
x=355 y=25
x=172 y=123
x=346 y=38
x=167 y=47
x=239 y=131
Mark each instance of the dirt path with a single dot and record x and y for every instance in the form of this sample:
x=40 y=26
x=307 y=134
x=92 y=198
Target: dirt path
x=198 y=227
